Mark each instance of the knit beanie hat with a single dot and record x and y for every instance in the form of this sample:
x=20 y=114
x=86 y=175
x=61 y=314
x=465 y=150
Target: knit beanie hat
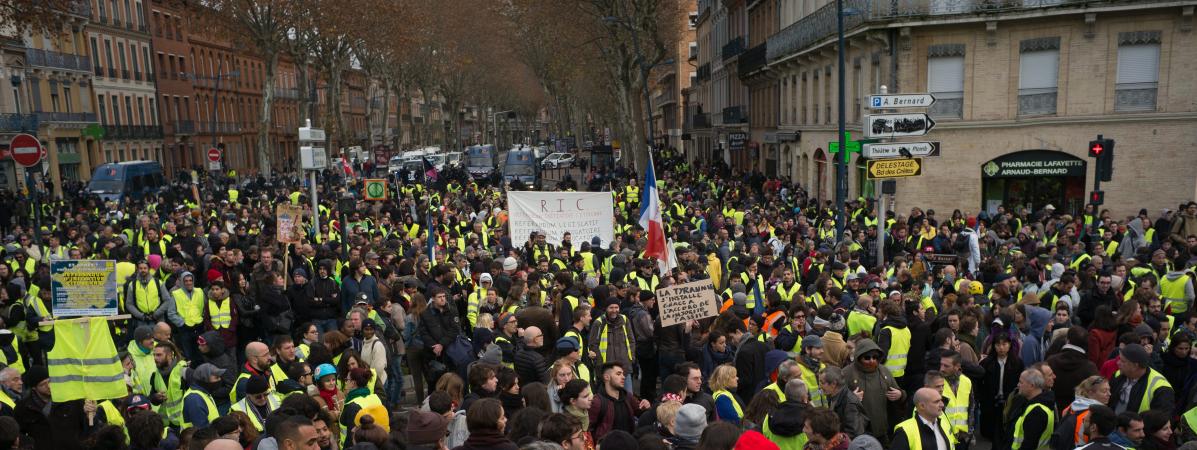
x=752 y=440
x=690 y=421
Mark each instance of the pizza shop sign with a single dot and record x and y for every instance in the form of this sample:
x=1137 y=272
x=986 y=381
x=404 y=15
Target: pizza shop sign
x=1034 y=163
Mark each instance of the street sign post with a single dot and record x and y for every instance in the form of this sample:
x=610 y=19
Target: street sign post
x=894 y=168
x=901 y=101
x=897 y=125
x=895 y=150
x=26 y=150
x=213 y=158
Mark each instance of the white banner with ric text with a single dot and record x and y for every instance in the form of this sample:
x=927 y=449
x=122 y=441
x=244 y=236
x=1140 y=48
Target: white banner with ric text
x=585 y=215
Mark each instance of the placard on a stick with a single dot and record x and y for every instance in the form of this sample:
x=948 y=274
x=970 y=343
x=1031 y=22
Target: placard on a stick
x=83 y=287
x=289 y=220
x=685 y=302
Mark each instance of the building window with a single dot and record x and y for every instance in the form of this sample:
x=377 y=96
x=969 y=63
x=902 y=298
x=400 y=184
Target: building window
x=101 y=110
x=108 y=53
x=66 y=95
x=129 y=109
x=1038 y=74
x=54 y=99
x=133 y=58
x=120 y=50
x=116 y=111
x=153 y=112
x=945 y=80
x=141 y=111
x=95 y=54
x=1138 y=71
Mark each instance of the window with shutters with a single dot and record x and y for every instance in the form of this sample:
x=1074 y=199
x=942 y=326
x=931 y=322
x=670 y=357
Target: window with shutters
x=1038 y=75
x=945 y=80
x=1138 y=71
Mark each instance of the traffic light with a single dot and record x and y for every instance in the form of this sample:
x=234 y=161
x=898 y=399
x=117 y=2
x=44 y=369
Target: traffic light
x=1097 y=198
x=1103 y=150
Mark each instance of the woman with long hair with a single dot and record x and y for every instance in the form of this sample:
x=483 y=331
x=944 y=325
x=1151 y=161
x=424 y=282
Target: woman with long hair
x=1094 y=390
x=1002 y=368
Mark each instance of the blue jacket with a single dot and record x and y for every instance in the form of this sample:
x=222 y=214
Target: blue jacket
x=195 y=411
x=1032 y=341
x=351 y=288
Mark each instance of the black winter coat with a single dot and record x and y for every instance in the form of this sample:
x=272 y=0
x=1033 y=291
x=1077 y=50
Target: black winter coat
x=531 y=366
x=437 y=327
x=326 y=303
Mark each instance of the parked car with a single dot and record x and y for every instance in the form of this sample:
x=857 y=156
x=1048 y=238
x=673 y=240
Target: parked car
x=558 y=160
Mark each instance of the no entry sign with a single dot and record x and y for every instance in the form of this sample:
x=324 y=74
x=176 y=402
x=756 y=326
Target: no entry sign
x=214 y=154
x=26 y=150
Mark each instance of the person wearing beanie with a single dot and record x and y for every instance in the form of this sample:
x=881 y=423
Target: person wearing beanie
x=810 y=364
x=258 y=403
x=426 y=430
x=612 y=338
x=691 y=420
x=1138 y=387
x=190 y=302
x=141 y=349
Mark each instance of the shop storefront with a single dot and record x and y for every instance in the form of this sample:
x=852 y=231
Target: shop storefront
x=1034 y=179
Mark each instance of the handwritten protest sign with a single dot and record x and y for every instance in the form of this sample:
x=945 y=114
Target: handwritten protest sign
x=685 y=302
x=289 y=219
x=83 y=287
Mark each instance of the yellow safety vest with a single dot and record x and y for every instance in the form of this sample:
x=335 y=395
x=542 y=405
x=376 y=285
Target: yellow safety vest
x=735 y=404
x=472 y=303
x=143 y=368
x=1189 y=417
x=16 y=362
x=627 y=337
x=208 y=403
x=190 y=307
x=796 y=442
x=220 y=313
x=1173 y=293
x=172 y=408
x=83 y=362
x=1047 y=432
x=781 y=395
x=233 y=194
x=811 y=378
x=957 y=406
x=787 y=295
x=899 y=346
x=751 y=293
x=272 y=404
x=1155 y=382
x=147 y=300
x=859 y=322
x=363 y=402
x=914 y=440
x=5 y=399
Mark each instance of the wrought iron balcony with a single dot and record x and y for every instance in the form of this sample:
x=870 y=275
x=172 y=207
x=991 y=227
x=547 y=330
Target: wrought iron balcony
x=286 y=93
x=735 y=115
x=57 y=117
x=46 y=58
x=123 y=132
x=732 y=48
x=752 y=60
x=180 y=127
x=18 y=122
x=701 y=120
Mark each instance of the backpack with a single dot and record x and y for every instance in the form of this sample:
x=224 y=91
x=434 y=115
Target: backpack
x=960 y=245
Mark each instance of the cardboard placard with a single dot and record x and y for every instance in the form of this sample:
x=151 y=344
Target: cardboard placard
x=685 y=302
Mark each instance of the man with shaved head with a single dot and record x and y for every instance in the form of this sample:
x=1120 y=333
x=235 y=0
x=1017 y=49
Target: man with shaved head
x=257 y=362
x=162 y=332
x=530 y=364
x=927 y=429
x=223 y=444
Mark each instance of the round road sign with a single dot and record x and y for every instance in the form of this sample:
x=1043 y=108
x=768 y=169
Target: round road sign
x=214 y=154
x=26 y=150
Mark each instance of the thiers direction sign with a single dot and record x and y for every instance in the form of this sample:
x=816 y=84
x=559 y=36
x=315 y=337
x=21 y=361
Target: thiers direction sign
x=895 y=150
x=901 y=101
x=897 y=125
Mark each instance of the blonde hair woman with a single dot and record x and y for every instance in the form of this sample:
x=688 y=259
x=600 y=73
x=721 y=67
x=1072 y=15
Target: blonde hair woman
x=722 y=382
x=1094 y=390
x=561 y=373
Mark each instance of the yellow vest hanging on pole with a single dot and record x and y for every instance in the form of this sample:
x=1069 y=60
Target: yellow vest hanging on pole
x=83 y=363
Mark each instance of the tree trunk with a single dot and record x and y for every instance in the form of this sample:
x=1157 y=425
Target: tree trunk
x=305 y=91
x=264 y=166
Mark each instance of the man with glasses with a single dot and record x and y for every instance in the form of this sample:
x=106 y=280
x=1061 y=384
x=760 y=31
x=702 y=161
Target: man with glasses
x=876 y=387
x=258 y=402
x=565 y=430
x=790 y=337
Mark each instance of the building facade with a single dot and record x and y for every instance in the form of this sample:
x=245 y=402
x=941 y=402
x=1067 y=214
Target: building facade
x=1021 y=89
x=126 y=102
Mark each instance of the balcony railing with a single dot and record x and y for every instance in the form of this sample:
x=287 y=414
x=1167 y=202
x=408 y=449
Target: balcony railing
x=18 y=123
x=125 y=74
x=46 y=58
x=55 y=117
x=179 y=127
x=219 y=127
x=752 y=60
x=702 y=120
x=732 y=48
x=111 y=72
x=734 y=115
x=123 y=132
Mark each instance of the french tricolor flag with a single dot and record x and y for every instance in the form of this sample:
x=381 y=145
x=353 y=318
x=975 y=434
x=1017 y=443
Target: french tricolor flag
x=651 y=220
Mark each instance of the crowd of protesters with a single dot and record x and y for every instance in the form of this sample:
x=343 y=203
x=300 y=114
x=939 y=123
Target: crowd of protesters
x=419 y=322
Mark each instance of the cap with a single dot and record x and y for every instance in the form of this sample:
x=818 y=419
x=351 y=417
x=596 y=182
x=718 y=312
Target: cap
x=137 y=401
x=371 y=255
x=206 y=370
x=567 y=343
x=739 y=298
x=363 y=299
x=812 y=341
x=509 y=263
x=485 y=278
x=1143 y=330
x=1049 y=207
x=1137 y=354
x=426 y=427
x=852 y=276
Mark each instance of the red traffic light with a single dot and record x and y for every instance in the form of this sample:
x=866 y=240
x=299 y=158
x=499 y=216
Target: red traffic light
x=1096 y=148
x=1097 y=197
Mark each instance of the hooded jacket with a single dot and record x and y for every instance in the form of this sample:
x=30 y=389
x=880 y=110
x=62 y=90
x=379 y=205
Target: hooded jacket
x=1071 y=366
x=222 y=359
x=1133 y=239
x=885 y=337
x=1183 y=226
x=1037 y=319
x=875 y=384
x=1175 y=275
x=786 y=422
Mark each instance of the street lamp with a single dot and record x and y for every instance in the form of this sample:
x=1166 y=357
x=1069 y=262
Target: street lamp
x=494 y=128
x=219 y=76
